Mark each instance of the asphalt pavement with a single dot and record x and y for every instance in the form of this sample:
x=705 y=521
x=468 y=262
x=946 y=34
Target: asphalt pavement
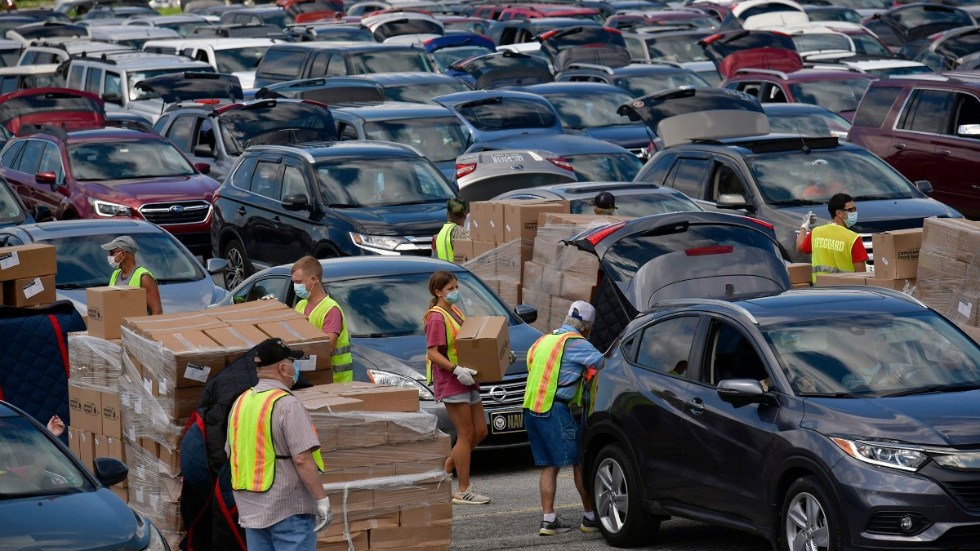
x=511 y=520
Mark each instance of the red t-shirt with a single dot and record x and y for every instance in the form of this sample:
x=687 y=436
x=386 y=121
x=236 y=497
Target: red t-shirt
x=858 y=252
x=444 y=382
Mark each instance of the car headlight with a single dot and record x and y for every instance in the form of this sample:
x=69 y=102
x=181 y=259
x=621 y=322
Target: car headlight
x=157 y=542
x=391 y=379
x=104 y=208
x=383 y=242
x=883 y=454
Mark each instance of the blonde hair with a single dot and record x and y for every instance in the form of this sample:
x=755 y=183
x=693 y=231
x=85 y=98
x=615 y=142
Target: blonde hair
x=308 y=265
x=437 y=281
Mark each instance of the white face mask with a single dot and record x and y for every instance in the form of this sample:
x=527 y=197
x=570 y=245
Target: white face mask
x=113 y=263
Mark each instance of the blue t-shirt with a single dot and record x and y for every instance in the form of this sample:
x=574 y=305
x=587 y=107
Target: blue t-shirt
x=578 y=356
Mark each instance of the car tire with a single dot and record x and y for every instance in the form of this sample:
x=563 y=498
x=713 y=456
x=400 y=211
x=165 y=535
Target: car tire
x=239 y=266
x=809 y=518
x=617 y=495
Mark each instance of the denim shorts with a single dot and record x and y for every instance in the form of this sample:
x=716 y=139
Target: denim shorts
x=468 y=397
x=555 y=436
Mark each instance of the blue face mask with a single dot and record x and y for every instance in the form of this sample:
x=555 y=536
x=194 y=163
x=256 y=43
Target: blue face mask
x=301 y=290
x=852 y=218
x=453 y=297
x=295 y=374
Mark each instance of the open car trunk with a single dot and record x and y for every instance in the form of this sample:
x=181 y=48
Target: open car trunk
x=62 y=107
x=190 y=86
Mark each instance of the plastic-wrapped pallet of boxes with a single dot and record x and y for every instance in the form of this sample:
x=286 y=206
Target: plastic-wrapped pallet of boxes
x=948 y=277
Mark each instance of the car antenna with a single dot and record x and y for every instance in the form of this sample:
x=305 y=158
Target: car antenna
x=805 y=149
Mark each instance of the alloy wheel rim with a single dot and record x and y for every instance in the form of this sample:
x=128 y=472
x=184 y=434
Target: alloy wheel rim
x=236 y=265
x=611 y=496
x=806 y=524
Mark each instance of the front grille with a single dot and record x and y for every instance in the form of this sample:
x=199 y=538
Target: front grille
x=967 y=492
x=503 y=395
x=890 y=522
x=419 y=246
x=961 y=538
x=181 y=212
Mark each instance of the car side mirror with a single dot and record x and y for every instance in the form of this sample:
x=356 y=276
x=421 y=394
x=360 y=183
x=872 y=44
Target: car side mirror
x=203 y=150
x=296 y=202
x=42 y=213
x=112 y=98
x=732 y=201
x=968 y=130
x=110 y=471
x=203 y=168
x=925 y=186
x=743 y=391
x=46 y=178
x=527 y=313
x=216 y=265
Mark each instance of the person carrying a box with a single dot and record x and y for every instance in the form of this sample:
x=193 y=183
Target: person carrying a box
x=454 y=384
x=325 y=314
x=557 y=365
x=122 y=258
x=834 y=247
x=451 y=231
x=275 y=460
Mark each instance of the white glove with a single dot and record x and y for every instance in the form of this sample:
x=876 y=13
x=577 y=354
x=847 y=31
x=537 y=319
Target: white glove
x=464 y=375
x=806 y=221
x=323 y=514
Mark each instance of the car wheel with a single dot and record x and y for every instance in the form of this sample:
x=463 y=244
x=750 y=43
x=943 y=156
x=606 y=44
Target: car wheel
x=239 y=267
x=810 y=518
x=616 y=492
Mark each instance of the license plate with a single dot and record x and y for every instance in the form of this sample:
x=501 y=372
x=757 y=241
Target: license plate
x=506 y=421
x=507 y=158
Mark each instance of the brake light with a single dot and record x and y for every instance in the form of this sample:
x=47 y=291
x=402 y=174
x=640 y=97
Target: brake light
x=762 y=223
x=207 y=101
x=547 y=35
x=705 y=251
x=561 y=162
x=221 y=110
x=462 y=169
x=612 y=30
x=601 y=234
x=712 y=38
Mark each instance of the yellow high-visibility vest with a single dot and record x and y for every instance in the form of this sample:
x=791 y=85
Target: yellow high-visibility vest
x=134 y=280
x=452 y=329
x=831 y=246
x=444 y=242
x=341 y=360
x=543 y=363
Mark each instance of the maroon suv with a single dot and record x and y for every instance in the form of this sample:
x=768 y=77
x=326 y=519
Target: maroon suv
x=109 y=172
x=928 y=128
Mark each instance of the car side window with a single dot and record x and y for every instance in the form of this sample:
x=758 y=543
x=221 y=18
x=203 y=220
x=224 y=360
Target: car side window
x=725 y=181
x=875 y=105
x=337 y=66
x=51 y=161
x=113 y=87
x=75 y=74
x=732 y=356
x=93 y=80
x=967 y=112
x=274 y=286
x=928 y=111
x=319 y=66
x=665 y=346
x=347 y=132
x=29 y=58
x=293 y=182
x=9 y=156
x=751 y=88
x=32 y=155
x=773 y=94
x=636 y=48
x=243 y=174
x=181 y=132
x=687 y=176
x=265 y=179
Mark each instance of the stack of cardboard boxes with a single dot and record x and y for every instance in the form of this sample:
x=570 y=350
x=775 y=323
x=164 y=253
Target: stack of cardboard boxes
x=27 y=275
x=949 y=271
x=896 y=258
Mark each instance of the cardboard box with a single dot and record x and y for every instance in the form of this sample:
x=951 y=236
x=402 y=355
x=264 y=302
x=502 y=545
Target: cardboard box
x=483 y=344
x=332 y=404
x=855 y=278
x=25 y=261
x=29 y=291
x=521 y=217
x=300 y=334
x=903 y=285
x=955 y=238
x=896 y=253
x=86 y=448
x=239 y=337
x=108 y=306
x=437 y=513
x=169 y=458
x=197 y=359
x=148 y=326
x=85 y=407
x=482 y=247
x=484 y=221
x=800 y=272
x=411 y=537
x=73 y=442
x=111 y=414
x=107 y=446
x=358 y=541
x=462 y=251
x=318 y=377
x=379 y=397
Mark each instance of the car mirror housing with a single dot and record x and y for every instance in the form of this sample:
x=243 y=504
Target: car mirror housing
x=110 y=471
x=743 y=391
x=112 y=98
x=296 y=202
x=527 y=313
x=46 y=178
x=203 y=150
x=925 y=186
x=732 y=201
x=203 y=168
x=216 y=265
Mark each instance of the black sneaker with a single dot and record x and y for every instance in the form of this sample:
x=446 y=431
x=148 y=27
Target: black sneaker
x=589 y=526
x=554 y=527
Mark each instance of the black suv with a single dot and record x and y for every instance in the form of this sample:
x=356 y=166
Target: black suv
x=326 y=199
x=777 y=178
x=285 y=62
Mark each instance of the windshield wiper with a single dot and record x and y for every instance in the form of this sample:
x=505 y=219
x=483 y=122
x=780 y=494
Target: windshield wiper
x=830 y=395
x=797 y=202
x=343 y=206
x=175 y=280
x=874 y=197
x=955 y=387
x=70 y=286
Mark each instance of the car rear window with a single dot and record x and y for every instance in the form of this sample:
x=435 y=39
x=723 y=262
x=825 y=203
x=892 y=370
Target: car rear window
x=282 y=63
x=508 y=113
x=877 y=102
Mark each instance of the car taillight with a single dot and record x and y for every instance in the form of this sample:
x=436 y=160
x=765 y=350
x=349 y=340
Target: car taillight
x=561 y=162
x=601 y=234
x=705 y=251
x=762 y=223
x=207 y=101
x=710 y=39
x=462 y=169
x=612 y=30
x=547 y=35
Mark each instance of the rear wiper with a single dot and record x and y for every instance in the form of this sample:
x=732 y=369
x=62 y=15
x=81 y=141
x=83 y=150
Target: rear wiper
x=480 y=102
x=957 y=387
x=797 y=202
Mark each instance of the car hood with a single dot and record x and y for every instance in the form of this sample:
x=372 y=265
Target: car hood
x=173 y=188
x=880 y=216
x=929 y=419
x=415 y=220
x=89 y=521
x=69 y=109
x=184 y=296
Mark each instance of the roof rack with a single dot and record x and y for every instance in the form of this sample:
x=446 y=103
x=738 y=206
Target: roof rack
x=592 y=66
x=833 y=67
x=750 y=70
x=656 y=62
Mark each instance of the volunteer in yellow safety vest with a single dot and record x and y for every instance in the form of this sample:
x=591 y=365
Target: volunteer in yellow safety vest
x=122 y=258
x=834 y=247
x=274 y=454
x=454 y=384
x=325 y=314
x=451 y=231
x=557 y=364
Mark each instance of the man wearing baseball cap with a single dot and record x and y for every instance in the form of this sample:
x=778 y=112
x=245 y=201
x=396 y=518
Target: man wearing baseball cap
x=275 y=460
x=122 y=258
x=556 y=366
x=604 y=203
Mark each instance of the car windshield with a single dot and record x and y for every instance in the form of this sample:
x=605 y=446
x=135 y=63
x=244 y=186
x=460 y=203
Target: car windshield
x=399 y=61
x=81 y=260
x=605 y=167
x=138 y=76
x=424 y=92
x=387 y=306
x=508 y=113
x=580 y=111
x=809 y=124
x=640 y=204
x=126 y=160
x=924 y=15
x=680 y=48
x=33 y=465
x=963 y=45
x=439 y=139
x=372 y=182
x=840 y=95
x=644 y=85
x=813 y=42
x=447 y=56
x=10 y=209
x=239 y=126
x=786 y=177
x=875 y=355
x=235 y=60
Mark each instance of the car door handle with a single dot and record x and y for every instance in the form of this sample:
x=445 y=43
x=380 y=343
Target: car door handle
x=898 y=145
x=944 y=152
x=275 y=219
x=695 y=406
x=241 y=211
